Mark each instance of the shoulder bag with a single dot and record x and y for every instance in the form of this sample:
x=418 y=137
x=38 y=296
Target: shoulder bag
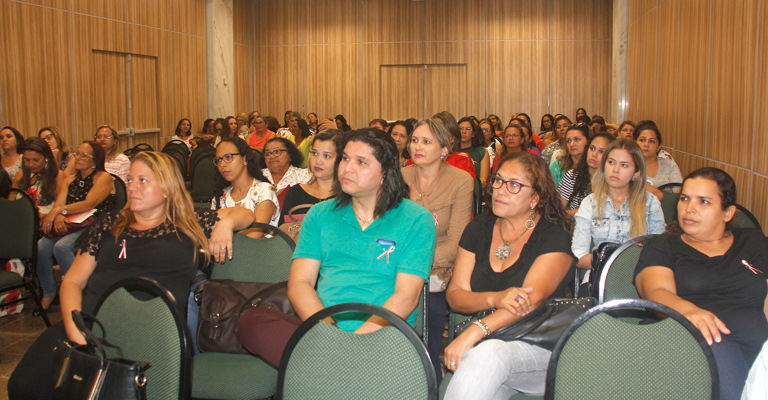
x=293 y=228
x=223 y=302
x=541 y=327
x=84 y=371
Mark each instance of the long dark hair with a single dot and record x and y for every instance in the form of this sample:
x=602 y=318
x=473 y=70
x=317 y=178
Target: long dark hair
x=178 y=127
x=726 y=188
x=453 y=127
x=252 y=167
x=393 y=188
x=551 y=121
x=303 y=128
x=582 y=186
x=408 y=131
x=478 y=139
x=344 y=125
x=47 y=192
x=99 y=155
x=549 y=206
x=19 y=138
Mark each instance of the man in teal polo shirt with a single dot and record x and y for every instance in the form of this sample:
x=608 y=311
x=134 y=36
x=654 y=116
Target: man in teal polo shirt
x=369 y=244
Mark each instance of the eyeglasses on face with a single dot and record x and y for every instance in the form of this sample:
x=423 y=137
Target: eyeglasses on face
x=465 y=128
x=105 y=137
x=81 y=155
x=275 y=153
x=513 y=136
x=513 y=187
x=227 y=158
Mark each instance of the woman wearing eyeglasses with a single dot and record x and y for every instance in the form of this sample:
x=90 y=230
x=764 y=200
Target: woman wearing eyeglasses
x=58 y=146
x=115 y=162
x=283 y=164
x=239 y=182
x=511 y=261
x=473 y=143
x=89 y=188
x=259 y=134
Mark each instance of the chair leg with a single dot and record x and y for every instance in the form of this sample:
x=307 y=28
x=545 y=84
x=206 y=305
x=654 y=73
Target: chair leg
x=39 y=304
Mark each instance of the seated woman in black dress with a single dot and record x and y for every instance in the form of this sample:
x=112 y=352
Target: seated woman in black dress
x=147 y=245
x=510 y=261
x=712 y=274
x=322 y=157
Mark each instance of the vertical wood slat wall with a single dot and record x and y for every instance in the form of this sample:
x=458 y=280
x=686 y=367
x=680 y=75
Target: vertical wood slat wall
x=64 y=64
x=330 y=57
x=699 y=68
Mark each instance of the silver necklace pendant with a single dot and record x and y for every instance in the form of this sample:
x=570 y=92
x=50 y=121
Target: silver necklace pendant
x=502 y=252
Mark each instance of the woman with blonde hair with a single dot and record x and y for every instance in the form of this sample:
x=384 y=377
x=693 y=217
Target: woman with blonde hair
x=619 y=207
x=157 y=235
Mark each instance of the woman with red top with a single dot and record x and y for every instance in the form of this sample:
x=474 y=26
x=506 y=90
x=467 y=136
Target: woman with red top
x=259 y=135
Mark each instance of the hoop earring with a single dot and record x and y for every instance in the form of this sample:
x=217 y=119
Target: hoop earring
x=530 y=223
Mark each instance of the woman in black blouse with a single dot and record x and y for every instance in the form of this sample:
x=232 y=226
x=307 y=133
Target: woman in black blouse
x=712 y=274
x=147 y=245
x=510 y=261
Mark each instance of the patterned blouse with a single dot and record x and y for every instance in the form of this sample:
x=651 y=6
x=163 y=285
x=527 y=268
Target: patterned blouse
x=259 y=191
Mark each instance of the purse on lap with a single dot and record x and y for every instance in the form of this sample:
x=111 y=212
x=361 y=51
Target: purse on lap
x=84 y=371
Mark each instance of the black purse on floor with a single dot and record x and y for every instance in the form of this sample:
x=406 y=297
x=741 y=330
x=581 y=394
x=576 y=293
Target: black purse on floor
x=84 y=371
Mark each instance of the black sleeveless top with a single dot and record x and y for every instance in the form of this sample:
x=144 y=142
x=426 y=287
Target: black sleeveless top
x=79 y=189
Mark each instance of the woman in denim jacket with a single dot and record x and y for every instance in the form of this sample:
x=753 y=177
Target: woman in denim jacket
x=619 y=207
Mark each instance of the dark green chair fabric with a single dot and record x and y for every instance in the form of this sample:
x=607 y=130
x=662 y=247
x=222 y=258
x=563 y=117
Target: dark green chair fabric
x=616 y=280
x=743 y=218
x=324 y=362
x=239 y=376
x=18 y=239
x=149 y=328
x=669 y=206
x=602 y=357
x=121 y=193
x=203 y=172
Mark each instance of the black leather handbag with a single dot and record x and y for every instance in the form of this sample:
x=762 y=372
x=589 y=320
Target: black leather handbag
x=541 y=327
x=84 y=371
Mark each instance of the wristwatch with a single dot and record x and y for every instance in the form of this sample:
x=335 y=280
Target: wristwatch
x=64 y=210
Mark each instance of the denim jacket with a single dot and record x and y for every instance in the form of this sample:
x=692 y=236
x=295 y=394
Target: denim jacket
x=615 y=225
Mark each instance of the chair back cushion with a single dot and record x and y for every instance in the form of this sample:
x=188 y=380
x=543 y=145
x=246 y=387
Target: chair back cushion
x=256 y=260
x=19 y=233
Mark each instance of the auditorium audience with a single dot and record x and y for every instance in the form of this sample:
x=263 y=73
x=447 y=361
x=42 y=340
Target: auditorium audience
x=284 y=164
x=39 y=176
x=162 y=238
x=659 y=171
x=259 y=134
x=11 y=142
x=90 y=188
x=510 y=261
x=581 y=112
x=401 y=132
x=712 y=274
x=184 y=131
x=312 y=121
x=626 y=130
x=116 y=162
x=341 y=123
x=472 y=142
x=494 y=142
x=242 y=125
x=371 y=210
x=554 y=146
x=379 y=124
x=302 y=138
x=446 y=192
x=577 y=183
x=514 y=142
x=496 y=122
x=546 y=125
x=576 y=139
x=458 y=159
x=57 y=144
x=322 y=157
x=619 y=207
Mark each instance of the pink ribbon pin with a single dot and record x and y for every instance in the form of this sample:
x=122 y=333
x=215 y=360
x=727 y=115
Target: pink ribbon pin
x=386 y=253
x=123 y=253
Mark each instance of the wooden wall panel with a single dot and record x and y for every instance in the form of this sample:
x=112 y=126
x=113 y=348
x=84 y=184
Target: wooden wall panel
x=446 y=90
x=732 y=81
x=761 y=113
x=277 y=80
x=60 y=4
x=582 y=19
x=144 y=99
x=280 y=22
x=242 y=81
x=633 y=68
x=189 y=88
x=473 y=55
x=517 y=20
x=743 y=179
x=36 y=82
x=691 y=86
x=688 y=162
x=648 y=90
x=333 y=84
x=665 y=113
x=590 y=61
x=392 y=20
x=403 y=97
x=112 y=9
x=513 y=86
x=241 y=21
x=454 y=20
x=647 y=5
x=155 y=13
x=157 y=43
x=187 y=16
x=375 y=57
x=332 y=21
x=109 y=97
x=759 y=205
x=634 y=10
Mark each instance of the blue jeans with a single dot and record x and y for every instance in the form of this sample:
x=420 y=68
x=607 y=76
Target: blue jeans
x=63 y=247
x=495 y=369
x=193 y=312
x=437 y=310
x=732 y=368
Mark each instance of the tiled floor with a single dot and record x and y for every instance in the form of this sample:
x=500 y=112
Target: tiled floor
x=17 y=332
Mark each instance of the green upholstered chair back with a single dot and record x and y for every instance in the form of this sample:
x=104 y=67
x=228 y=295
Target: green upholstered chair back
x=121 y=193
x=258 y=260
x=616 y=279
x=150 y=329
x=743 y=218
x=18 y=237
x=324 y=362
x=203 y=172
x=669 y=206
x=602 y=357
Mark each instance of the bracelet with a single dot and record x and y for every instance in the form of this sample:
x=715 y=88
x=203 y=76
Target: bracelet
x=486 y=330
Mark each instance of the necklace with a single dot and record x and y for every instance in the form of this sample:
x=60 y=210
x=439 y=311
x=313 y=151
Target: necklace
x=418 y=186
x=362 y=221
x=503 y=251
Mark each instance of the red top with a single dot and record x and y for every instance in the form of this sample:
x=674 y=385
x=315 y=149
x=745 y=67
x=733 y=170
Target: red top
x=460 y=160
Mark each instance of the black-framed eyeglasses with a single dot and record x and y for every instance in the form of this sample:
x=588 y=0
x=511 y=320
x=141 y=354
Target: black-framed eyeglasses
x=227 y=158
x=274 y=153
x=513 y=187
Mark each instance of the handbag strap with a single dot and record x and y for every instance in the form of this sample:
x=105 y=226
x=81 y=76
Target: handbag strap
x=261 y=294
x=541 y=314
x=296 y=208
x=91 y=339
